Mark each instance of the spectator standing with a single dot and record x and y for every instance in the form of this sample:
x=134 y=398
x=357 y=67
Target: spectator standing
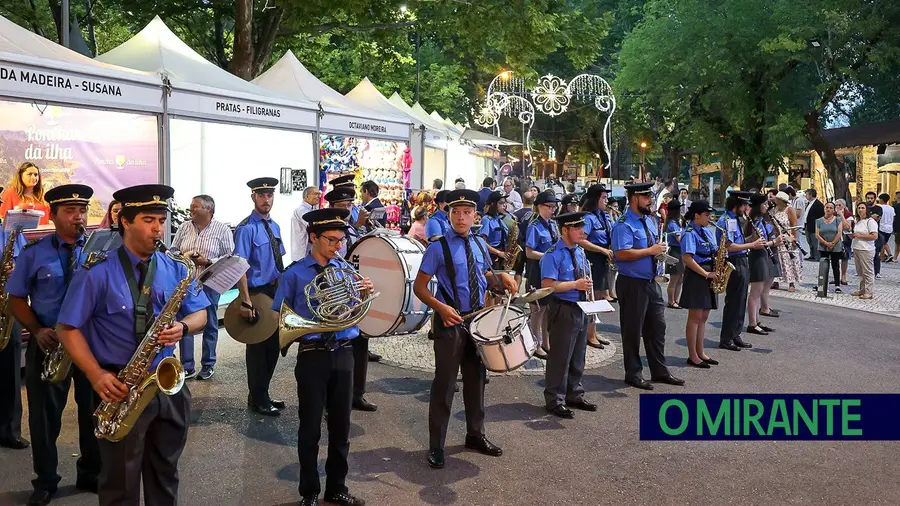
x=896 y=207
x=513 y=199
x=814 y=211
x=886 y=226
x=829 y=238
x=865 y=232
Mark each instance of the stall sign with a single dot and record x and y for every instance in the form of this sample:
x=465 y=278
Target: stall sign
x=240 y=110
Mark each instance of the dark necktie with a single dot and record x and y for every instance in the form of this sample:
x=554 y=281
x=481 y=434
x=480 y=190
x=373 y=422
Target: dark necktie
x=276 y=250
x=579 y=271
x=69 y=265
x=142 y=270
x=649 y=242
x=473 y=279
x=503 y=233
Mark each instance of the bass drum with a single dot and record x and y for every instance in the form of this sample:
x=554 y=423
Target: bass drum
x=392 y=263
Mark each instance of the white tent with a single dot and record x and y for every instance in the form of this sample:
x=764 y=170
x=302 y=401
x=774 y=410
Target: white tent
x=35 y=68
x=341 y=115
x=223 y=130
x=437 y=134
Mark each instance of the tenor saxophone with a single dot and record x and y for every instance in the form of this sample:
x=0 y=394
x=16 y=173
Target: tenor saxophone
x=57 y=362
x=115 y=419
x=6 y=266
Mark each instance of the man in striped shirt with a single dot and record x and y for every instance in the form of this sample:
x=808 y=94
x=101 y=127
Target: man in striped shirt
x=204 y=240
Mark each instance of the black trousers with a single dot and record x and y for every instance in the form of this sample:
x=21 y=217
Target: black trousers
x=11 y=386
x=360 y=366
x=148 y=455
x=642 y=316
x=46 y=402
x=324 y=383
x=262 y=358
x=565 y=360
x=455 y=350
x=834 y=258
x=735 y=311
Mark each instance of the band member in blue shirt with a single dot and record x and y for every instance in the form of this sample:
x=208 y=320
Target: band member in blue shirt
x=461 y=264
x=43 y=272
x=563 y=268
x=698 y=252
x=541 y=234
x=111 y=303
x=735 y=310
x=257 y=239
x=675 y=272
x=764 y=267
x=342 y=198
x=10 y=369
x=636 y=245
x=598 y=235
x=359 y=215
x=438 y=224
x=494 y=229
x=324 y=369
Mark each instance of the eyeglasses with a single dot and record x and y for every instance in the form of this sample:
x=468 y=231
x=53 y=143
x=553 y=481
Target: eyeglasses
x=333 y=241
x=550 y=206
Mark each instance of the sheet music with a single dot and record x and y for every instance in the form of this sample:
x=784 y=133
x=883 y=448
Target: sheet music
x=377 y=213
x=598 y=306
x=102 y=239
x=224 y=274
x=23 y=219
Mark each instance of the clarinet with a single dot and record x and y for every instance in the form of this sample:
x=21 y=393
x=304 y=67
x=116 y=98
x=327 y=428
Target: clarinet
x=763 y=235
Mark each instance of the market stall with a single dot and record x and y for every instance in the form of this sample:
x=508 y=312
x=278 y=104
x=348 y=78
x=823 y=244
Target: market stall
x=78 y=120
x=353 y=139
x=222 y=130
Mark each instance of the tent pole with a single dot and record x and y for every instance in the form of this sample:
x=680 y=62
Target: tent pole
x=65 y=23
x=316 y=174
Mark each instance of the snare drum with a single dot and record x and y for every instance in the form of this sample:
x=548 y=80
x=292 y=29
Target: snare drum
x=392 y=263
x=503 y=353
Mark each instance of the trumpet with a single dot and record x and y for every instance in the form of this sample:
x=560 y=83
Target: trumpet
x=590 y=293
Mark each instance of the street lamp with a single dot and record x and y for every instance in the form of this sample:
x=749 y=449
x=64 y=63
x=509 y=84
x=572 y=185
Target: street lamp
x=643 y=149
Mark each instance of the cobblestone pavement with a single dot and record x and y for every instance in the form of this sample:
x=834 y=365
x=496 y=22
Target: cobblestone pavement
x=886 y=290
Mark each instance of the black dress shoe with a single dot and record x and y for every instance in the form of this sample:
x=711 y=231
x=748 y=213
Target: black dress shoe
x=86 y=484
x=604 y=342
x=481 y=445
x=669 y=380
x=436 y=458
x=767 y=329
x=711 y=361
x=741 y=343
x=582 y=405
x=729 y=346
x=362 y=404
x=772 y=313
x=561 y=411
x=343 y=498
x=279 y=405
x=640 y=383
x=268 y=410
x=597 y=345
x=312 y=500
x=40 y=498
x=701 y=365
x=757 y=330
x=374 y=357
x=15 y=444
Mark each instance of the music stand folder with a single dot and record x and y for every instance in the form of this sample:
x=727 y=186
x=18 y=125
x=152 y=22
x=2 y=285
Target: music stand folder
x=22 y=219
x=223 y=274
x=598 y=306
x=102 y=240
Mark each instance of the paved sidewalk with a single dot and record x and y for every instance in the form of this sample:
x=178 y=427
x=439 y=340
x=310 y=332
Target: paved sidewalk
x=887 y=290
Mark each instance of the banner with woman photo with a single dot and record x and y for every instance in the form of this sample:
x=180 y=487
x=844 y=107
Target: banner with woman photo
x=103 y=149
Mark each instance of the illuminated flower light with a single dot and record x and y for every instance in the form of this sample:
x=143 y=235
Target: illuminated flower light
x=551 y=95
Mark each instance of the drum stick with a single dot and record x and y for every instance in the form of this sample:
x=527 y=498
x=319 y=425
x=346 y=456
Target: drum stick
x=503 y=314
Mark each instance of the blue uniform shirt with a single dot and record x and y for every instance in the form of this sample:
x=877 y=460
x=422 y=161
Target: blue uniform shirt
x=629 y=233
x=251 y=242
x=291 y=289
x=494 y=228
x=433 y=265
x=538 y=237
x=597 y=226
x=100 y=305
x=40 y=275
x=673 y=239
x=699 y=242
x=729 y=222
x=557 y=265
x=438 y=224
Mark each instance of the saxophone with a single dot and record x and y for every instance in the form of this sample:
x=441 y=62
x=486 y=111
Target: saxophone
x=6 y=266
x=723 y=268
x=512 y=245
x=115 y=419
x=57 y=362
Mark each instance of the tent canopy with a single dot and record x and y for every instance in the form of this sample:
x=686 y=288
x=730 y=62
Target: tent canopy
x=204 y=90
x=35 y=68
x=484 y=139
x=289 y=77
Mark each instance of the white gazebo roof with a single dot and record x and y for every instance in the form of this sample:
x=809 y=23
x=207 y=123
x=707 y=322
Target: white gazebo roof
x=342 y=115
x=35 y=68
x=202 y=89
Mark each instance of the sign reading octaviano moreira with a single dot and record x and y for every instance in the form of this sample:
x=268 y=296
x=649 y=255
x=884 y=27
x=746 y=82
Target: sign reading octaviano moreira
x=850 y=417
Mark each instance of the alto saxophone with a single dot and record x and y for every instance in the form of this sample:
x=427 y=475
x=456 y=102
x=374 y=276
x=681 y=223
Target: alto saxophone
x=6 y=266
x=115 y=419
x=57 y=362
x=723 y=268
x=512 y=246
